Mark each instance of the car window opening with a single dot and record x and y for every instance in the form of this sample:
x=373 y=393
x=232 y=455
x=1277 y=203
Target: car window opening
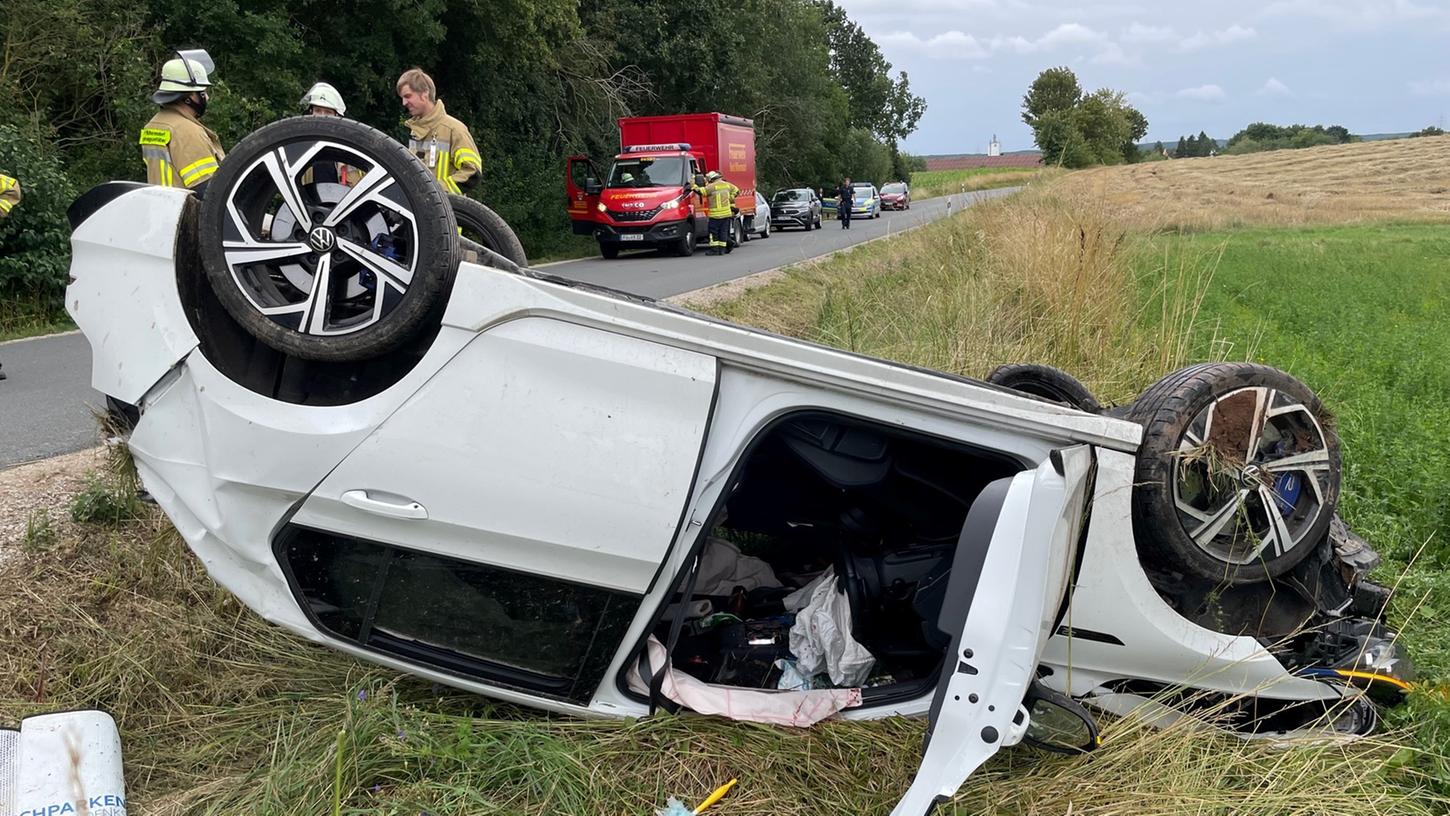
x=820 y=499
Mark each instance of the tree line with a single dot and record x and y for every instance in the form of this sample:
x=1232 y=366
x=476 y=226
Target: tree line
x=535 y=80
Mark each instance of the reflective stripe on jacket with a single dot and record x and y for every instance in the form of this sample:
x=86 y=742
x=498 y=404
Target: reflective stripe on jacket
x=445 y=147
x=179 y=150
x=720 y=198
x=9 y=194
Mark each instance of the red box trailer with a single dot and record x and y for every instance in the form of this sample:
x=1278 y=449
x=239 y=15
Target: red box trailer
x=645 y=199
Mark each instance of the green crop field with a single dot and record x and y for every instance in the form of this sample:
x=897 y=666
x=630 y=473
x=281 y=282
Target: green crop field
x=928 y=183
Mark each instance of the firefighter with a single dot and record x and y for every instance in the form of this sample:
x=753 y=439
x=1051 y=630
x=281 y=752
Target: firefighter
x=9 y=197
x=441 y=142
x=178 y=149
x=323 y=100
x=720 y=207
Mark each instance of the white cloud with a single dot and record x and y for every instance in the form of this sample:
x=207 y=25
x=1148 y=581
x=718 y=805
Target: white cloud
x=1227 y=36
x=959 y=45
x=949 y=45
x=1139 y=33
x=1273 y=87
x=1203 y=93
x=1113 y=54
x=1359 y=14
x=1431 y=87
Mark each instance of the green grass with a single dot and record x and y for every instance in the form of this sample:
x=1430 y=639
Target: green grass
x=1362 y=315
x=31 y=316
x=928 y=183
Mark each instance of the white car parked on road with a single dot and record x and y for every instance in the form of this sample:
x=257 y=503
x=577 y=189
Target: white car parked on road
x=410 y=449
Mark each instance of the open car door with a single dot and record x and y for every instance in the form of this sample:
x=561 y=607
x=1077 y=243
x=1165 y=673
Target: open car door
x=582 y=183
x=1006 y=589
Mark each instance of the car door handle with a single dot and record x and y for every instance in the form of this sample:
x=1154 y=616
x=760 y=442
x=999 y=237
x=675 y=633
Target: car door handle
x=399 y=507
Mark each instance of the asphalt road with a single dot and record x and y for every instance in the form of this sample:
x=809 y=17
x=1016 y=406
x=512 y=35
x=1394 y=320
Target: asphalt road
x=46 y=404
x=662 y=274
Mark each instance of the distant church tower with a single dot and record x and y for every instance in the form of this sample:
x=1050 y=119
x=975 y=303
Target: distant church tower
x=995 y=148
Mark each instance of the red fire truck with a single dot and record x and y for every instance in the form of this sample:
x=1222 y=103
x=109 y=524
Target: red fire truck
x=645 y=199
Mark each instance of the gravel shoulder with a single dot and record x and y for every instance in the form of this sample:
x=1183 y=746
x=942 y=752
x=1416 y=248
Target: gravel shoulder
x=45 y=486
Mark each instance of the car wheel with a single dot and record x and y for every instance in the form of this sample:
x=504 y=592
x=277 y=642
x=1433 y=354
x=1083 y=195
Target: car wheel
x=608 y=251
x=1045 y=382
x=327 y=271
x=765 y=233
x=483 y=226
x=1238 y=473
x=685 y=247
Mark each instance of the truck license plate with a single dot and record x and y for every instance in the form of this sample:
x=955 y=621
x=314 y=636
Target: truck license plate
x=631 y=237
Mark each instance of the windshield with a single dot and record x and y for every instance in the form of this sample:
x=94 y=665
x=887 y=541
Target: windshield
x=647 y=171
x=893 y=188
x=793 y=195
x=864 y=193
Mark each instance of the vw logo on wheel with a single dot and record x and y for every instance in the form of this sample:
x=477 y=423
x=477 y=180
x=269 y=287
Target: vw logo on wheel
x=321 y=239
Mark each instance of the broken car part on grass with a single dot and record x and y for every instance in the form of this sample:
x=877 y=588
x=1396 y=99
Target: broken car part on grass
x=504 y=481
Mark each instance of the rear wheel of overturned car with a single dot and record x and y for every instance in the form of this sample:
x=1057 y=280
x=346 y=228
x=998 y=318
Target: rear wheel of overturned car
x=327 y=240
x=1045 y=382
x=483 y=226
x=1238 y=473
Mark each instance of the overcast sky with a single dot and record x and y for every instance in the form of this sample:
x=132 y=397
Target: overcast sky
x=1371 y=65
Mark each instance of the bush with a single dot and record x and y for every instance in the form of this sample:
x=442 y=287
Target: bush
x=106 y=500
x=34 y=239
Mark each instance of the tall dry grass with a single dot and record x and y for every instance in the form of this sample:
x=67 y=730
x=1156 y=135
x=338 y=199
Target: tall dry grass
x=1400 y=179
x=221 y=713
x=1042 y=276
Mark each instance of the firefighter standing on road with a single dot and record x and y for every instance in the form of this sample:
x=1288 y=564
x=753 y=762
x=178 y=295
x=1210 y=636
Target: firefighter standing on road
x=442 y=143
x=9 y=197
x=178 y=149
x=720 y=207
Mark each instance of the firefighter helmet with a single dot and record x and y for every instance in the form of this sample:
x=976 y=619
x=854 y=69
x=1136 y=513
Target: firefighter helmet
x=190 y=71
x=323 y=95
x=712 y=175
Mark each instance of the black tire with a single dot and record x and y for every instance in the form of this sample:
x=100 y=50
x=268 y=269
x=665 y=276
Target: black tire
x=479 y=224
x=608 y=251
x=685 y=246
x=765 y=231
x=1046 y=382
x=386 y=279
x=1215 y=465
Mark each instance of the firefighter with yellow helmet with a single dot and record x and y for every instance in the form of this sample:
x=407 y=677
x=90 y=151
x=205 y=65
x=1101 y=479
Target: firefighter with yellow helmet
x=720 y=198
x=178 y=149
x=9 y=197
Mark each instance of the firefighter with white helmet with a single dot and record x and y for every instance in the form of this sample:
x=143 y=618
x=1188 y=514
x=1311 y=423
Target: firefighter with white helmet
x=323 y=100
x=178 y=149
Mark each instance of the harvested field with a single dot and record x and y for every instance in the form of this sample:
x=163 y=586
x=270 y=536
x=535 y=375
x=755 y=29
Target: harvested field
x=1395 y=180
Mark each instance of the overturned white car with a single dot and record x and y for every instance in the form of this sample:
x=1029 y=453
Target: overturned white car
x=403 y=445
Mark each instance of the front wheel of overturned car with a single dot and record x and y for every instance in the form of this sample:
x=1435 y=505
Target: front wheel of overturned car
x=327 y=240
x=1238 y=473
x=483 y=226
x=1045 y=382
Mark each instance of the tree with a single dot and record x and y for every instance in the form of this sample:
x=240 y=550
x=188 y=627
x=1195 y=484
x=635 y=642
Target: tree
x=1191 y=150
x=879 y=103
x=1429 y=131
x=1054 y=90
x=1137 y=129
x=1181 y=151
x=1206 y=146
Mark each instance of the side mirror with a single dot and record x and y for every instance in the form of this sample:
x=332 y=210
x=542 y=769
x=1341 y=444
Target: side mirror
x=1058 y=723
x=593 y=187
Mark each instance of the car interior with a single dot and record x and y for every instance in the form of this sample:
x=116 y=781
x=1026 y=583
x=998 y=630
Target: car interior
x=875 y=511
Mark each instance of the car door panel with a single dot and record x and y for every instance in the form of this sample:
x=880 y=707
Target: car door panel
x=1007 y=579
x=544 y=447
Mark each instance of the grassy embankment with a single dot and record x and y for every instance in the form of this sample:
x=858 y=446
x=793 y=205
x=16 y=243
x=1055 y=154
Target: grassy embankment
x=222 y=713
